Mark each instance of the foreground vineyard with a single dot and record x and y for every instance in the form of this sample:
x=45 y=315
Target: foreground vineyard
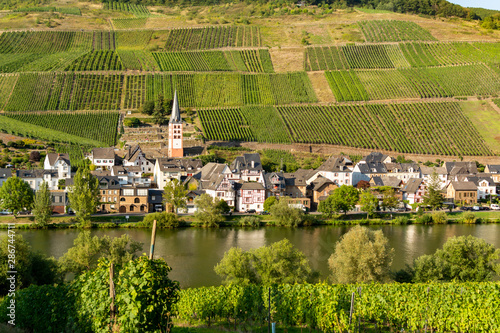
x=436 y=128
x=440 y=307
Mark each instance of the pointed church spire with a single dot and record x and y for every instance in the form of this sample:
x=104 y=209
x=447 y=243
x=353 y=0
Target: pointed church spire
x=175 y=117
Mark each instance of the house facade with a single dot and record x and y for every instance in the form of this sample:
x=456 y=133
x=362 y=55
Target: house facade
x=464 y=193
x=103 y=158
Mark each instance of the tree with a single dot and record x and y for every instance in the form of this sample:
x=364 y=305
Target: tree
x=84 y=195
x=207 y=211
x=223 y=207
x=269 y=202
x=42 y=206
x=389 y=200
x=148 y=108
x=368 y=202
x=159 y=112
x=87 y=250
x=35 y=156
x=362 y=255
x=277 y=263
x=174 y=194
x=31 y=267
x=433 y=196
x=285 y=215
x=464 y=258
x=343 y=200
x=15 y=195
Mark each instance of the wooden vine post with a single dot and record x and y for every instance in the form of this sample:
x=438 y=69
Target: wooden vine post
x=153 y=239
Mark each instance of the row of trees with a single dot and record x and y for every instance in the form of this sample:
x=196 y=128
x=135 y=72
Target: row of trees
x=361 y=256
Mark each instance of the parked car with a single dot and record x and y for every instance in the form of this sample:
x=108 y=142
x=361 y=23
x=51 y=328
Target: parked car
x=250 y=211
x=484 y=208
x=5 y=212
x=495 y=206
x=465 y=208
x=476 y=208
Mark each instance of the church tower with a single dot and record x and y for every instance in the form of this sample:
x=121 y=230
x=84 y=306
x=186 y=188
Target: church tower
x=175 y=148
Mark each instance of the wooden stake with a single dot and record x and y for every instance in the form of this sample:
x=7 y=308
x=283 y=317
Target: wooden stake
x=153 y=239
x=112 y=295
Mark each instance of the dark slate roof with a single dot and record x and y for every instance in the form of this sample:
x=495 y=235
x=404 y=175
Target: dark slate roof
x=453 y=168
x=318 y=184
x=179 y=164
x=33 y=173
x=464 y=186
x=111 y=182
x=375 y=157
x=252 y=186
x=299 y=177
x=132 y=153
x=5 y=173
x=101 y=173
x=54 y=157
x=103 y=153
x=336 y=164
x=367 y=168
x=393 y=182
x=247 y=162
x=402 y=167
x=175 y=117
x=476 y=180
x=494 y=168
x=269 y=183
x=412 y=185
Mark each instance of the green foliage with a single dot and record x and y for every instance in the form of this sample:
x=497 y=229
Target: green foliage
x=31 y=267
x=469 y=218
x=174 y=195
x=148 y=108
x=87 y=250
x=269 y=202
x=249 y=221
x=16 y=195
x=223 y=207
x=131 y=122
x=433 y=196
x=163 y=220
x=401 y=220
x=440 y=217
x=424 y=219
x=343 y=200
x=368 y=202
x=207 y=212
x=144 y=295
x=42 y=205
x=393 y=31
x=285 y=215
x=464 y=258
x=279 y=262
x=84 y=195
x=362 y=255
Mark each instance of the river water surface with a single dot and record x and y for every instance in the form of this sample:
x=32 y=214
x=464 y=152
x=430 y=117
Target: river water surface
x=192 y=253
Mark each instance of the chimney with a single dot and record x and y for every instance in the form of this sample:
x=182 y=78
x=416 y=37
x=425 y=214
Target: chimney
x=253 y=164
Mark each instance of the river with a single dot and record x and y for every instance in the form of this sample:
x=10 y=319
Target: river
x=192 y=253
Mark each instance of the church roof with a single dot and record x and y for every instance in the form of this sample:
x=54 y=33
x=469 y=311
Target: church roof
x=175 y=117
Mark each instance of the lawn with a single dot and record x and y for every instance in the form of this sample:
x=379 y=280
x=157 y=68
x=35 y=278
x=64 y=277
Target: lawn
x=486 y=120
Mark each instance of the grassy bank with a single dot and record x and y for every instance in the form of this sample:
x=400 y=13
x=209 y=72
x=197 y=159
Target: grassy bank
x=134 y=221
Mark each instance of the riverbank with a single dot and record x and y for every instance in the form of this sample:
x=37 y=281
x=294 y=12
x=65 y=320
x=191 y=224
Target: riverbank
x=135 y=221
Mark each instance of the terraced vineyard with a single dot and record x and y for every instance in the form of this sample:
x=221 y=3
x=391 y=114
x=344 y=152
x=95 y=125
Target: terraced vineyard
x=137 y=10
x=393 y=31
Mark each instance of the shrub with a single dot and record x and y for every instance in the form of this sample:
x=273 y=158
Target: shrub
x=163 y=220
x=469 y=218
x=424 y=219
x=440 y=217
x=401 y=220
x=249 y=221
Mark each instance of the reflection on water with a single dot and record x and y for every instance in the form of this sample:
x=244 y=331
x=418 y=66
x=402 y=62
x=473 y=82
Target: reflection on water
x=192 y=253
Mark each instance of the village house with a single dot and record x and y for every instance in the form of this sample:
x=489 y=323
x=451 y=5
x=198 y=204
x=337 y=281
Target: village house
x=59 y=163
x=462 y=192
x=297 y=189
x=103 y=158
x=320 y=189
x=455 y=169
x=134 y=199
x=109 y=188
x=403 y=171
x=251 y=195
x=337 y=169
x=426 y=173
x=59 y=199
x=170 y=168
x=214 y=181
x=366 y=170
x=275 y=184
x=414 y=191
x=4 y=175
x=35 y=178
x=136 y=158
x=132 y=175
x=485 y=186
x=494 y=171
x=155 y=200
x=247 y=168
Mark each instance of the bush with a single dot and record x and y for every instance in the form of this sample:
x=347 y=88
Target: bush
x=131 y=122
x=469 y=218
x=401 y=220
x=440 y=218
x=163 y=220
x=249 y=221
x=424 y=219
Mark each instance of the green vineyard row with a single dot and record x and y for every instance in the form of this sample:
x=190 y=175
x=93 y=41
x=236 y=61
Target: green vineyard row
x=443 y=307
x=62 y=10
x=421 y=128
x=137 y=10
x=393 y=31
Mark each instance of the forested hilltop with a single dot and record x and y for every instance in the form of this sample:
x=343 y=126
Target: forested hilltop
x=282 y=73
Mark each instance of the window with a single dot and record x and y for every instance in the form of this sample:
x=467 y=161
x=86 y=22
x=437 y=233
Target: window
x=116 y=192
x=98 y=161
x=220 y=194
x=142 y=192
x=128 y=191
x=114 y=199
x=103 y=192
x=103 y=199
x=109 y=199
x=153 y=198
